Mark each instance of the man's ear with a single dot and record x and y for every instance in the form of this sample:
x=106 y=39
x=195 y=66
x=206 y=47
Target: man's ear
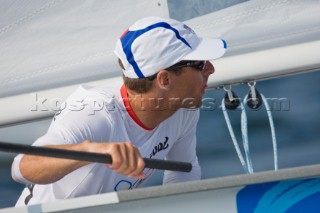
x=164 y=79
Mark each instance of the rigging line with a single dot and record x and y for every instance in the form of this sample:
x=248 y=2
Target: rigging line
x=234 y=140
x=273 y=134
x=245 y=140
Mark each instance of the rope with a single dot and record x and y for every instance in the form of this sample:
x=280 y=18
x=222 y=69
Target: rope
x=272 y=128
x=247 y=169
x=247 y=165
x=273 y=133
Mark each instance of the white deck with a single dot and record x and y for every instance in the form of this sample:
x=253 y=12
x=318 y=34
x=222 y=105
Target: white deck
x=217 y=194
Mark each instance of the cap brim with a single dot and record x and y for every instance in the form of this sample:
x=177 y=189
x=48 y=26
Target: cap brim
x=208 y=49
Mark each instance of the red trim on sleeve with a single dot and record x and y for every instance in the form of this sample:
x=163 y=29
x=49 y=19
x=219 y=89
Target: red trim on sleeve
x=127 y=105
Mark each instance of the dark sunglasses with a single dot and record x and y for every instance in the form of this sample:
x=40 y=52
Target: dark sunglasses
x=199 y=65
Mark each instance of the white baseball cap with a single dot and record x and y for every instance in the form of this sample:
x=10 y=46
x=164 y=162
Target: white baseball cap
x=155 y=43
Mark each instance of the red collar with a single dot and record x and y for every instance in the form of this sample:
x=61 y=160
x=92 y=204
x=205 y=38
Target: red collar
x=127 y=105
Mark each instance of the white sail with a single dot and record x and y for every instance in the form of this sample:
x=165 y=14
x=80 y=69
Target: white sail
x=46 y=44
x=55 y=44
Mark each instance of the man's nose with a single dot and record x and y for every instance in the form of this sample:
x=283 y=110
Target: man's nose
x=209 y=69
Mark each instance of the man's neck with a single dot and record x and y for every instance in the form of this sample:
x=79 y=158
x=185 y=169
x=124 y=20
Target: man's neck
x=150 y=108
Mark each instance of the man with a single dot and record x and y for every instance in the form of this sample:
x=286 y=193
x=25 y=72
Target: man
x=154 y=115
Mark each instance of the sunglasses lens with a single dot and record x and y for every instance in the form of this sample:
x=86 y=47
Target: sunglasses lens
x=200 y=65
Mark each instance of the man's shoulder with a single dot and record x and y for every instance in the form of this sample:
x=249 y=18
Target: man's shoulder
x=88 y=103
x=91 y=91
x=93 y=96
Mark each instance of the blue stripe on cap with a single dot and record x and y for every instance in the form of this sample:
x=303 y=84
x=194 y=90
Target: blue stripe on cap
x=224 y=44
x=128 y=39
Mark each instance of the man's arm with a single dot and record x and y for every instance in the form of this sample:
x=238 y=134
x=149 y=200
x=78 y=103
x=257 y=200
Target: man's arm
x=126 y=160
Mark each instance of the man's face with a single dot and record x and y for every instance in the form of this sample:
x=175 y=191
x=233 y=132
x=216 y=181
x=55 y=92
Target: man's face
x=189 y=87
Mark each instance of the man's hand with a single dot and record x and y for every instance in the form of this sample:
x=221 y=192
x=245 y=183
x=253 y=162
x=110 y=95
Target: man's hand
x=126 y=158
